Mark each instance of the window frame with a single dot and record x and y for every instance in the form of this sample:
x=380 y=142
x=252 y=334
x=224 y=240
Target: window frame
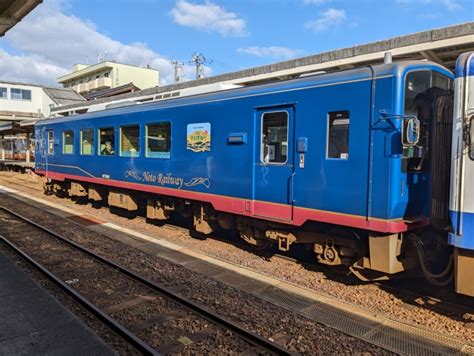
x=146 y=139
x=138 y=141
x=287 y=137
x=404 y=83
x=50 y=148
x=6 y=92
x=64 y=142
x=21 y=92
x=81 y=151
x=98 y=141
x=328 y=131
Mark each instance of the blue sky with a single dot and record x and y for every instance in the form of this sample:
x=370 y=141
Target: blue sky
x=234 y=34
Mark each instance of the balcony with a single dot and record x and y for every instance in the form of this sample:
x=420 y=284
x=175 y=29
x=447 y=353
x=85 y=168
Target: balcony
x=95 y=84
x=80 y=88
x=100 y=83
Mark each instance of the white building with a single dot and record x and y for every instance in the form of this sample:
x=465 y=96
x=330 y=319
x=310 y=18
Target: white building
x=21 y=105
x=21 y=101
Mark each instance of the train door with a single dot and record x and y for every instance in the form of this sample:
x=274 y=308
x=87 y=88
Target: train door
x=274 y=173
x=41 y=148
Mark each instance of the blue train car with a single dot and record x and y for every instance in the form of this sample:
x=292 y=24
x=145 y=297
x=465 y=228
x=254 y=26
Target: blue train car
x=341 y=161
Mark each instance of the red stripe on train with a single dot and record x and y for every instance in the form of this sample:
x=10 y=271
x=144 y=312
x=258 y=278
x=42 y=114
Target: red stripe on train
x=258 y=209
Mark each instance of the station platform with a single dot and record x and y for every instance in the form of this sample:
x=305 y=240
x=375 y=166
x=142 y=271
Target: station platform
x=32 y=322
x=17 y=166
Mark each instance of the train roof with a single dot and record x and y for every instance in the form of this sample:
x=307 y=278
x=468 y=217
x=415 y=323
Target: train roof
x=350 y=75
x=465 y=65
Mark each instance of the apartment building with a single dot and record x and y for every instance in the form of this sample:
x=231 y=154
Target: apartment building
x=85 y=79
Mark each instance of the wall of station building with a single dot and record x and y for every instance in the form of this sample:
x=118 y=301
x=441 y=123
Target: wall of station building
x=32 y=100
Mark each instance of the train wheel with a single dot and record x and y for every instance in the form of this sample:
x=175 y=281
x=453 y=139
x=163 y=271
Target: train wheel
x=255 y=238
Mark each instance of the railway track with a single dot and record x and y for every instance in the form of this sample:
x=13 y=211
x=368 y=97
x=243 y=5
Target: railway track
x=152 y=318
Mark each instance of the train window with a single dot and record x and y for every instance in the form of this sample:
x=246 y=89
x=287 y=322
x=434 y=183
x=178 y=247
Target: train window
x=417 y=93
x=130 y=141
x=274 y=140
x=87 y=142
x=68 y=142
x=158 y=140
x=338 y=135
x=50 y=142
x=106 y=141
x=3 y=93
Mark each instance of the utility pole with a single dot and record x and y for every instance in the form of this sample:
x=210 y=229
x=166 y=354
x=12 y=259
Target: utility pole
x=178 y=71
x=199 y=60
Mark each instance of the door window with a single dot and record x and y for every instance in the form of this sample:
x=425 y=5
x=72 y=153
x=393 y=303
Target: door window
x=274 y=138
x=338 y=135
x=50 y=142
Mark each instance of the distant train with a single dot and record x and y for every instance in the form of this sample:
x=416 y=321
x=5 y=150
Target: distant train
x=354 y=164
x=15 y=148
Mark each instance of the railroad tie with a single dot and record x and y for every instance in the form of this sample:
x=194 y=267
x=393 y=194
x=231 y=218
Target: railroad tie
x=130 y=303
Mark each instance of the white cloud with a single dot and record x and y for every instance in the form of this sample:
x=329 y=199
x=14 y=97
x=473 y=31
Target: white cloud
x=272 y=51
x=329 y=18
x=48 y=42
x=208 y=17
x=29 y=69
x=451 y=5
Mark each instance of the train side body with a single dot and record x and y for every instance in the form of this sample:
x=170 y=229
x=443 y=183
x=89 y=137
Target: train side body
x=462 y=173
x=367 y=188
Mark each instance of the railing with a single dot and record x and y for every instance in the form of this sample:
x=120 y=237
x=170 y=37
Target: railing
x=95 y=84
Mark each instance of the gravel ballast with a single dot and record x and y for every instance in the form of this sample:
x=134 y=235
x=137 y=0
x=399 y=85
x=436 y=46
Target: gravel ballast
x=299 y=334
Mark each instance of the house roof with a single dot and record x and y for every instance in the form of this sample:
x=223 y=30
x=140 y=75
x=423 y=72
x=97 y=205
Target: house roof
x=108 y=92
x=60 y=96
x=63 y=96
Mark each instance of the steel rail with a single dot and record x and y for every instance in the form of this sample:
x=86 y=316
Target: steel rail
x=249 y=336
x=106 y=319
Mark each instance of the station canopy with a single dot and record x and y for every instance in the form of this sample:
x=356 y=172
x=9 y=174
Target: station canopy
x=13 y=11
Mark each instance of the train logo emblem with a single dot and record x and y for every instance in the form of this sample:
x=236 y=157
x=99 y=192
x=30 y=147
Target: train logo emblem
x=199 y=137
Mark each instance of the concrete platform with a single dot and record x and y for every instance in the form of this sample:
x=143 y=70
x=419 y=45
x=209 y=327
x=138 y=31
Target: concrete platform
x=32 y=322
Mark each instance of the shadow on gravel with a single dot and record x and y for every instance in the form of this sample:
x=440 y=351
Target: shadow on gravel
x=414 y=292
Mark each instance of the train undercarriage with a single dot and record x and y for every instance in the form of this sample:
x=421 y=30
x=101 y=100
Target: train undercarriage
x=368 y=255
